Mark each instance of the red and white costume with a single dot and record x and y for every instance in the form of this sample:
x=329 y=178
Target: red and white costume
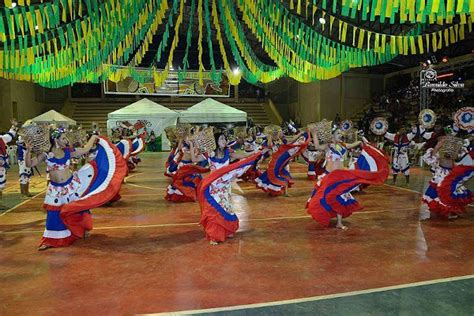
x=332 y=195
x=315 y=164
x=172 y=162
x=4 y=140
x=446 y=194
x=68 y=203
x=277 y=175
x=336 y=152
x=138 y=146
x=185 y=181
x=400 y=162
x=214 y=195
x=251 y=146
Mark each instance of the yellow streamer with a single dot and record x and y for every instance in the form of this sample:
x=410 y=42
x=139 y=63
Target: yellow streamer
x=354 y=30
x=31 y=25
x=440 y=41
x=420 y=44
x=461 y=33
x=39 y=22
x=340 y=30
x=344 y=33
x=234 y=78
x=400 y=44
x=412 y=45
x=70 y=9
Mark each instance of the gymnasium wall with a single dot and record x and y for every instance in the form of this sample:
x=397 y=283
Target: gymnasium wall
x=31 y=100
x=308 y=102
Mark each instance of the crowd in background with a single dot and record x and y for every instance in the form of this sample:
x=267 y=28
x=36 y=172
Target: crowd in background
x=400 y=104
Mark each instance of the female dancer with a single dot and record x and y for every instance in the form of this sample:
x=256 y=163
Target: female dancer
x=23 y=171
x=332 y=198
x=250 y=142
x=138 y=145
x=250 y=146
x=214 y=194
x=71 y=194
x=331 y=183
x=173 y=160
x=446 y=196
x=315 y=160
x=188 y=175
x=276 y=179
x=335 y=152
x=4 y=140
x=125 y=148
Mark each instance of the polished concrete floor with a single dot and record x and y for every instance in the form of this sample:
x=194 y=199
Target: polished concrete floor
x=147 y=255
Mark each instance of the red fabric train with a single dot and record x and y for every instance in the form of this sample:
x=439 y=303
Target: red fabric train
x=276 y=177
x=451 y=193
x=333 y=196
x=185 y=183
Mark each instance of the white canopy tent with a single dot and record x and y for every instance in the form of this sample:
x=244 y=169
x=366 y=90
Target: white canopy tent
x=156 y=117
x=53 y=117
x=212 y=111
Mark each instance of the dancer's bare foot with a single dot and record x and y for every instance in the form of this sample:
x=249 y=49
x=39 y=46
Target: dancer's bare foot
x=339 y=223
x=213 y=243
x=230 y=236
x=424 y=213
x=453 y=216
x=43 y=247
x=342 y=227
x=87 y=234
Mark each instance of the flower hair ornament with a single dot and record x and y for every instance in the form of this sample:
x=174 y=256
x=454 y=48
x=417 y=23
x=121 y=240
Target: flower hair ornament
x=451 y=130
x=57 y=132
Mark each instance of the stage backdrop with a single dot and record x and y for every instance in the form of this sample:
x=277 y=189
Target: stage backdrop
x=153 y=116
x=140 y=81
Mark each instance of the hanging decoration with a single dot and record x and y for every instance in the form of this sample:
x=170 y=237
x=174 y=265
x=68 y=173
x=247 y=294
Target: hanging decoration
x=401 y=11
x=189 y=35
x=416 y=44
x=60 y=42
x=216 y=76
